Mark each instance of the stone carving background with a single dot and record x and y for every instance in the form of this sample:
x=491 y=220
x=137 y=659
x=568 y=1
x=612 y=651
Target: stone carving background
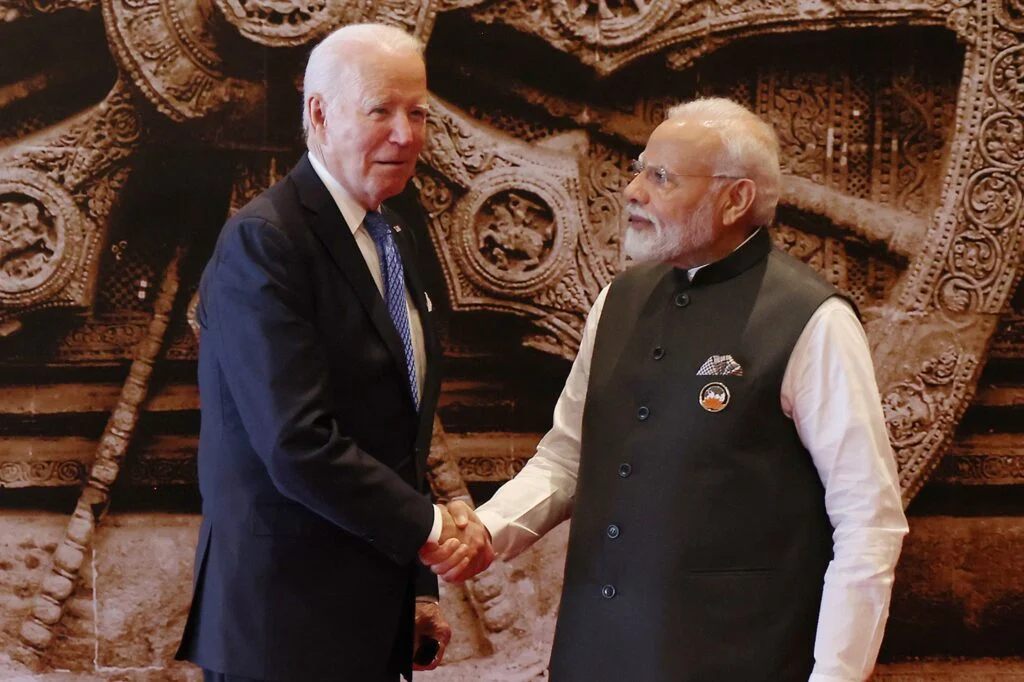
x=131 y=128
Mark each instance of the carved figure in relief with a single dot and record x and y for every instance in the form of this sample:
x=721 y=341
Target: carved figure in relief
x=28 y=243
x=515 y=233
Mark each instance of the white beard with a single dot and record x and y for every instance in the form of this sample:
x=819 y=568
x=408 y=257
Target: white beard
x=664 y=243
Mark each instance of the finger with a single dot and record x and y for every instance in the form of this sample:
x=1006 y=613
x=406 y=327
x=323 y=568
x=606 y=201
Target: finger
x=462 y=554
x=460 y=512
x=441 y=553
x=480 y=564
x=457 y=573
x=432 y=554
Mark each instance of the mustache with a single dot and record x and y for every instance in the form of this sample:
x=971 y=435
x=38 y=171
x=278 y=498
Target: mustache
x=635 y=211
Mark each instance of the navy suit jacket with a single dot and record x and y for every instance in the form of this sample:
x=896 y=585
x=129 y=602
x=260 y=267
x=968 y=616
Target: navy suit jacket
x=312 y=455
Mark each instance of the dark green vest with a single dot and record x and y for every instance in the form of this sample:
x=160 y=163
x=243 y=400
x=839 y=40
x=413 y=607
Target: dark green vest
x=699 y=539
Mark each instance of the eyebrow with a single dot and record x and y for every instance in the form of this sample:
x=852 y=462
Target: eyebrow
x=378 y=101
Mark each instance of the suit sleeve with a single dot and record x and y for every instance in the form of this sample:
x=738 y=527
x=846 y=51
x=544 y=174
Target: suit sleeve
x=259 y=307
x=426 y=582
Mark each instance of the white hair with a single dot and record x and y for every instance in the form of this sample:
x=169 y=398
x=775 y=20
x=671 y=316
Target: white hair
x=750 y=148
x=331 y=69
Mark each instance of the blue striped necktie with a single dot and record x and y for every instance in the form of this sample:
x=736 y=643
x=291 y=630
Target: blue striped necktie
x=394 y=289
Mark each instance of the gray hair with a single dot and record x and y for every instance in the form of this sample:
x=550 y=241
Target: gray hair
x=331 y=69
x=750 y=148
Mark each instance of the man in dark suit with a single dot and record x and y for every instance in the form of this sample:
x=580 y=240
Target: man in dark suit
x=318 y=374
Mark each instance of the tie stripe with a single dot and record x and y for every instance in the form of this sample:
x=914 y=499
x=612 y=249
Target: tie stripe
x=394 y=289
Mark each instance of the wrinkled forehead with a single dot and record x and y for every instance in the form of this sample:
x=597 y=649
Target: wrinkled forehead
x=399 y=74
x=684 y=142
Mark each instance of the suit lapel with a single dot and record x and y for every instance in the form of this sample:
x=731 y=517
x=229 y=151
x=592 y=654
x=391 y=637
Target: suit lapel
x=332 y=230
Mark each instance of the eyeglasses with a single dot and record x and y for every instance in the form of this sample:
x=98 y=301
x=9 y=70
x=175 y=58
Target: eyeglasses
x=660 y=176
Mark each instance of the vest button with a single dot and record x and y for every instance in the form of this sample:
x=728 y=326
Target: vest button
x=682 y=300
x=658 y=353
x=625 y=470
x=608 y=591
x=643 y=413
x=613 y=531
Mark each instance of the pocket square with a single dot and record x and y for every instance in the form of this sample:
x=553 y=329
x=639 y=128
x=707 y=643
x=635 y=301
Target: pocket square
x=720 y=366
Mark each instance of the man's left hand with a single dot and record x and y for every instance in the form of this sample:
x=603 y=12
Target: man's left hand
x=430 y=624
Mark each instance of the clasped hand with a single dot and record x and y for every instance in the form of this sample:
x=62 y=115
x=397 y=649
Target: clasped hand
x=464 y=548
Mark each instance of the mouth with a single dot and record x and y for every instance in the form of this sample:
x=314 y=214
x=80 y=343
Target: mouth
x=638 y=223
x=394 y=164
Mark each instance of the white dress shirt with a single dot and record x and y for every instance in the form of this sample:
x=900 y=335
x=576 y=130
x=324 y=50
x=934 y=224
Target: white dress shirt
x=353 y=214
x=830 y=393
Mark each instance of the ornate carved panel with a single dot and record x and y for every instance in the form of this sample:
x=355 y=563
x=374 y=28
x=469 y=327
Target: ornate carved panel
x=903 y=187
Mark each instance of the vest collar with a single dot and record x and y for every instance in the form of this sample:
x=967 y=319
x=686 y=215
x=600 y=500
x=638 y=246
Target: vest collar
x=739 y=261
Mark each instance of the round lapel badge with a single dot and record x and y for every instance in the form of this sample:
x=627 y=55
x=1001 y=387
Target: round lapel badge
x=714 y=396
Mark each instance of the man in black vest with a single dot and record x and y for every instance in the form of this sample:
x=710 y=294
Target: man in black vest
x=719 y=443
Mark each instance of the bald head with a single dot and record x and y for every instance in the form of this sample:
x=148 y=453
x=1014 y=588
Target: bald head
x=342 y=63
x=739 y=144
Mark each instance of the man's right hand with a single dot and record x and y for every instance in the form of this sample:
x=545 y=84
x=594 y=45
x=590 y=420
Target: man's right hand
x=464 y=548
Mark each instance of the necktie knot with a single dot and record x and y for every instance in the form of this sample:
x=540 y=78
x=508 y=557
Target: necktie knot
x=378 y=227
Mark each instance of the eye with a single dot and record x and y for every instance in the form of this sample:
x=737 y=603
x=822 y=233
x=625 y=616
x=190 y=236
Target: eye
x=636 y=167
x=418 y=114
x=660 y=175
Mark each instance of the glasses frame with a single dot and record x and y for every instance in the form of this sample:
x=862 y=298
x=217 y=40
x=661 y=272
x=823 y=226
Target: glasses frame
x=659 y=176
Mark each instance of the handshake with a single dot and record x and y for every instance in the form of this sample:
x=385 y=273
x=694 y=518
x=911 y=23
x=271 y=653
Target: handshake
x=464 y=548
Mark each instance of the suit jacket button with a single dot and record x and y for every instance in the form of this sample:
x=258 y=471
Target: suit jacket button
x=682 y=300
x=625 y=469
x=643 y=413
x=608 y=591
x=658 y=353
x=613 y=531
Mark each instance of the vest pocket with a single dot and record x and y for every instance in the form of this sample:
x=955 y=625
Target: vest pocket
x=724 y=620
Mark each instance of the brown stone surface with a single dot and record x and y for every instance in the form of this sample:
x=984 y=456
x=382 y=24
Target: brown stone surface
x=959 y=589
x=143 y=576
x=27 y=540
x=125 y=616
x=983 y=670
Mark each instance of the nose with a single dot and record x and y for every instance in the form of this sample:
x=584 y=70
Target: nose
x=635 y=191
x=401 y=129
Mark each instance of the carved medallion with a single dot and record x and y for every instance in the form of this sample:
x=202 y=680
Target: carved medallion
x=611 y=22
x=169 y=50
x=514 y=232
x=41 y=237
x=283 y=23
x=511 y=232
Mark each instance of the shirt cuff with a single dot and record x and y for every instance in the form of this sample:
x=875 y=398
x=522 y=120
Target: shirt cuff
x=435 y=530
x=494 y=523
x=820 y=677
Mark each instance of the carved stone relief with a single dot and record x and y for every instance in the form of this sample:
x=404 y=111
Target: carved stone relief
x=531 y=228
x=906 y=193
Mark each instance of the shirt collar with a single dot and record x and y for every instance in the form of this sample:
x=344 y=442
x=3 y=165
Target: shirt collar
x=350 y=209
x=693 y=271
